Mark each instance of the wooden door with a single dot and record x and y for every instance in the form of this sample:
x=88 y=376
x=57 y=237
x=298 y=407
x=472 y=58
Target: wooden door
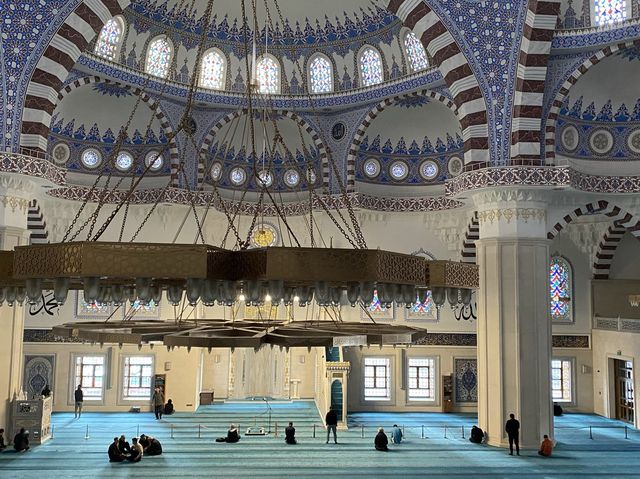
x=624 y=390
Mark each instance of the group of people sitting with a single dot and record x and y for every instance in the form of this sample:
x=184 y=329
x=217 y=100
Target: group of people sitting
x=120 y=450
x=381 y=441
x=546 y=447
x=20 y=441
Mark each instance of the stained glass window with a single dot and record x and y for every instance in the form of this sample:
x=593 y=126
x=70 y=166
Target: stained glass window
x=159 y=58
x=415 y=51
x=109 y=39
x=376 y=306
x=610 y=11
x=320 y=75
x=212 y=74
x=561 y=290
x=370 y=67
x=561 y=380
x=268 y=72
x=426 y=307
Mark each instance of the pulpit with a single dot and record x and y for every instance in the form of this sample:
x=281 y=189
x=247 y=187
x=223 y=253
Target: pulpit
x=34 y=415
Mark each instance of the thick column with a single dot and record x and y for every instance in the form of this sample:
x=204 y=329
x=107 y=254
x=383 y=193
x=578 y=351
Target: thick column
x=13 y=232
x=514 y=330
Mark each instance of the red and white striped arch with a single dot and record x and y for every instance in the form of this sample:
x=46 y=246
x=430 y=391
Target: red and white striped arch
x=620 y=217
x=539 y=27
x=607 y=250
x=472 y=234
x=463 y=85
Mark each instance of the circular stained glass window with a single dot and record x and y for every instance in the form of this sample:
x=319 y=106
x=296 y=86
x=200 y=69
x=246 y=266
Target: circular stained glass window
x=265 y=178
x=216 y=171
x=124 y=161
x=61 y=153
x=156 y=159
x=429 y=170
x=399 y=170
x=237 y=176
x=291 y=178
x=311 y=176
x=91 y=158
x=371 y=168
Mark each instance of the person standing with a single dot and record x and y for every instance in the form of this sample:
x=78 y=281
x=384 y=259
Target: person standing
x=79 y=397
x=512 y=427
x=331 y=420
x=158 y=402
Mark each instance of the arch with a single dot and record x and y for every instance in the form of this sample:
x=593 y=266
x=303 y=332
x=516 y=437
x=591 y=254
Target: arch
x=364 y=50
x=271 y=85
x=620 y=217
x=36 y=224
x=317 y=141
x=462 y=83
x=219 y=70
x=153 y=105
x=371 y=115
x=110 y=48
x=535 y=46
x=337 y=397
x=606 y=251
x=409 y=40
x=552 y=118
x=159 y=70
x=472 y=234
x=316 y=58
x=561 y=303
x=52 y=69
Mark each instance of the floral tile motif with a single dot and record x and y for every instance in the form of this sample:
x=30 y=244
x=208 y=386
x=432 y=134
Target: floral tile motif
x=466 y=380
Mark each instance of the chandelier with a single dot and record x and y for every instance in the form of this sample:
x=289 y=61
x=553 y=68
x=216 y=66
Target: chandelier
x=117 y=272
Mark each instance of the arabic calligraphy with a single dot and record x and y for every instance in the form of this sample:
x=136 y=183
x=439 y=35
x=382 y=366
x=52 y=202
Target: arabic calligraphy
x=46 y=304
x=467 y=312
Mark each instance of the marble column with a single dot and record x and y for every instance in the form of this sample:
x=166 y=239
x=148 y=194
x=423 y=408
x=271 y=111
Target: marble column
x=14 y=201
x=514 y=330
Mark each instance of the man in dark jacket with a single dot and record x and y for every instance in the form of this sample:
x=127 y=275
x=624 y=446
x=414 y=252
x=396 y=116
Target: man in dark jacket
x=21 y=441
x=79 y=397
x=114 y=453
x=150 y=445
x=381 y=441
x=513 y=431
x=290 y=434
x=331 y=420
x=476 y=435
x=123 y=445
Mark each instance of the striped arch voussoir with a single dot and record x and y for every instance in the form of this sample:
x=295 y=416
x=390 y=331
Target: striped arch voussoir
x=550 y=128
x=150 y=102
x=36 y=224
x=372 y=114
x=472 y=234
x=460 y=79
x=209 y=139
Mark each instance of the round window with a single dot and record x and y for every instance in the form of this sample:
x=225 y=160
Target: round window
x=429 y=169
x=291 y=178
x=237 y=176
x=371 y=168
x=399 y=170
x=91 y=158
x=124 y=161
x=216 y=171
x=156 y=159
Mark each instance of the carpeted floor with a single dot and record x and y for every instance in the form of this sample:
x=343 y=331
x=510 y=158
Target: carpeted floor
x=78 y=449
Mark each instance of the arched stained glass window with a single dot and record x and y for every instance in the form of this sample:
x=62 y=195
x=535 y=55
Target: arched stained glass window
x=560 y=289
x=212 y=70
x=610 y=11
x=268 y=72
x=370 y=67
x=320 y=75
x=425 y=308
x=109 y=39
x=415 y=51
x=159 y=57
x=376 y=306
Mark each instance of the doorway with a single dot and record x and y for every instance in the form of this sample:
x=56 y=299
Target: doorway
x=624 y=402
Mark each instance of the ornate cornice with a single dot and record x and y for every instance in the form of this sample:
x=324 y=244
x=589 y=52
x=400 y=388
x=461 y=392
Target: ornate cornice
x=595 y=37
x=508 y=215
x=34 y=167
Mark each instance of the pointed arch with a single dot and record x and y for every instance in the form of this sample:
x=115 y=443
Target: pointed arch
x=460 y=79
x=619 y=216
x=110 y=39
x=159 y=56
x=213 y=69
x=370 y=66
x=36 y=224
x=560 y=289
x=472 y=234
x=320 y=74
x=269 y=73
x=607 y=250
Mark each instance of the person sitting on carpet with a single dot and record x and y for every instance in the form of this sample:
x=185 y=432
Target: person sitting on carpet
x=396 y=434
x=290 y=434
x=546 y=447
x=123 y=445
x=2 y=443
x=476 y=435
x=381 y=441
x=136 y=451
x=150 y=445
x=168 y=408
x=21 y=441
x=232 y=435
x=114 y=453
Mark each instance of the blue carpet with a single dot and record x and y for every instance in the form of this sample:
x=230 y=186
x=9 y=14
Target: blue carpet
x=190 y=450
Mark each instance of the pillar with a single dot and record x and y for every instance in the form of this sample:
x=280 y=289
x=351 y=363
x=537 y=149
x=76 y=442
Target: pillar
x=14 y=202
x=514 y=329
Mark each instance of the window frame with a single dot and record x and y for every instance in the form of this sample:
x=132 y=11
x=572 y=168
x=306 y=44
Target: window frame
x=388 y=379
x=403 y=45
x=570 y=319
x=223 y=79
x=331 y=74
x=572 y=378
x=433 y=380
x=73 y=380
x=363 y=49
x=171 y=54
x=279 y=76
x=123 y=25
x=128 y=400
